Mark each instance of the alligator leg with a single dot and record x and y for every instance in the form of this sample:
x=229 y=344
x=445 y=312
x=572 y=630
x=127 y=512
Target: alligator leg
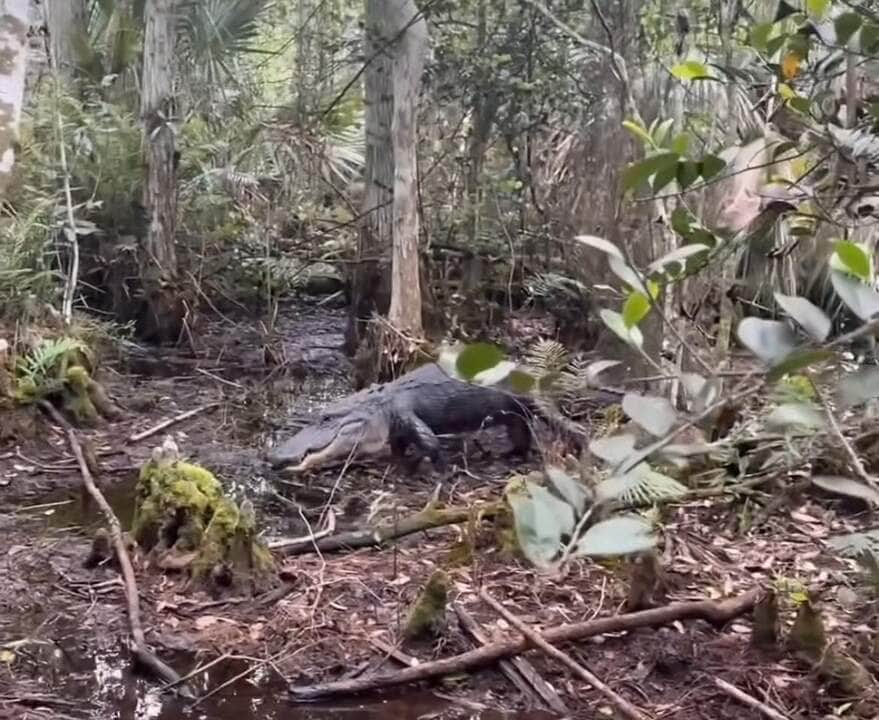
x=411 y=430
x=519 y=432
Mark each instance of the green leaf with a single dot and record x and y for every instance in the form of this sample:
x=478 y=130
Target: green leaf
x=847 y=486
x=594 y=369
x=710 y=166
x=661 y=130
x=859 y=386
x=686 y=173
x=690 y=70
x=635 y=309
x=801 y=105
x=540 y=520
x=846 y=25
x=796 y=415
x=521 y=382
x=681 y=143
x=784 y=10
x=638 y=132
x=870 y=38
x=680 y=221
x=598 y=243
x=636 y=174
x=622 y=535
x=859 y=297
x=614 y=322
x=769 y=340
x=569 y=488
x=613 y=449
x=817 y=8
x=775 y=43
x=760 y=35
x=495 y=374
x=810 y=317
x=476 y=358
x=798 y=360
x=655 y=414
x=854 y=258
x=627 y=274
x=664 y=176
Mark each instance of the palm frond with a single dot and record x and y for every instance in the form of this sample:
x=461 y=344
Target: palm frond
x=546 y=357
x=641 y=486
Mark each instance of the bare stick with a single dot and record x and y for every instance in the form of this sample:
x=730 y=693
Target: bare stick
x=716 y=612
x=624 y=706
x=139 y=647
x=137 y=437
x=749 y=700
x=518 y=670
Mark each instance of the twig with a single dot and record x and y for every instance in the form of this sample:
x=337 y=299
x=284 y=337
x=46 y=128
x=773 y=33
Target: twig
x=536 y=639
x=394 y=652
x=137 y=437
x=141 y=651
x=749 y=700
x=286 y=544
x=717 y=612
x=518 y=670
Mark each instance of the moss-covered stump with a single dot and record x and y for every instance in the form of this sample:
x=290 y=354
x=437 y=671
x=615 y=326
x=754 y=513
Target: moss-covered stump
x=185 y=522
x=427 y=616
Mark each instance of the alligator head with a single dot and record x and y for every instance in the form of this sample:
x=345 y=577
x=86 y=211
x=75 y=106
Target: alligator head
x=332 y=439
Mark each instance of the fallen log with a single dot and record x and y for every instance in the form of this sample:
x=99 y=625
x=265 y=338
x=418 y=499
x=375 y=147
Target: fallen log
x=715 y=612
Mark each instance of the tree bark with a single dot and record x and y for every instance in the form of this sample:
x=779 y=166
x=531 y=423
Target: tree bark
x=370 y=278
x=159 y=266
x=411 y=50
x=13 y=50
x=66 y=20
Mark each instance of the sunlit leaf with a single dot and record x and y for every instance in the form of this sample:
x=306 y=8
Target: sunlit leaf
x=681 y=143
x=594 y=369
x=796 y=415
x=614 y=449
x=860 y=298
x=496 y=374
x=679 y=255
x=810 y=317
x=600 y=244
x=477 y=358
x=846 y=24
x=847 y=486
x=635 y=309
x=760 y=35
x=853 y=257
x=642 y=485
x=769 y=340
x=690 y=70
x=710 y=166
x=799 y=360
x=614 y=322
x=622 y=535
x=817 y=8
x=655 y=414
x=637 y=173
x=569 y=488
x=638 y=131
x=521 y=381
x=627 y=274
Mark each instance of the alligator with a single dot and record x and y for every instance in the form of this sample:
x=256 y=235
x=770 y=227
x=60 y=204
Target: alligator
x=411 y=412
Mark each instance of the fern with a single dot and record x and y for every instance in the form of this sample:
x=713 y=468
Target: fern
x=42 y=362
x=546 y=357
x=641 y=486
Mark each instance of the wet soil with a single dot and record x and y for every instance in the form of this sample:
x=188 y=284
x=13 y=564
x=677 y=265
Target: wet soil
x=61 y=626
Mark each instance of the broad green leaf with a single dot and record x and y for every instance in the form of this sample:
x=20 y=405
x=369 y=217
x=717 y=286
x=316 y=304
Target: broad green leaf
x=796 y=415
x=637 y=174
x=760 y=35
x=687 y=172
x=627 y=274
x=614 y=321
x=801 y=105
x=817 y=8
x=810 y=317
x=846 y=24
x=664 y=176
x=538 y=538
x=677 y=256
x=569 y=488
x=521 y=381
x=783 y=10
x=847 y=486
x=853 y=257
x=859 y=386
x=786 y=92
x=860 y=298
x=661 y=130
x=622 y=535
x=549 y=505
x=635 y=309
x=614 y=449
x=710 y=166
x=692 y=383
x=690 y=70
x=477 y=358
x=655 y=414
x=494 y=375
x=598 y=243
x=640 y=486
x=681 y=143
x=769 y=340
x=638 y=131
x=799 y=360
x=680 y=221
x=870 y=38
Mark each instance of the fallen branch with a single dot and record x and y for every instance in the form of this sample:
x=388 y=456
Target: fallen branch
x=143 y=435
x=715 y=612
x=749 y=700
x=623 y=705
x=139 y=647
x=518 y=670
x=392 y=529
x=290 y=545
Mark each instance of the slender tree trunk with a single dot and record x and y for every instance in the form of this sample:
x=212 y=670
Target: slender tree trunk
x=159 y=266
x=13 y=50
x=66 y=20
x=370 y=279
x=405 y=310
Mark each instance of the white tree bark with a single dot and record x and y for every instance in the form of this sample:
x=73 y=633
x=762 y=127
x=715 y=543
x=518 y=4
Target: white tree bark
x=66 y=20
x=13 y=60
x=411 y=51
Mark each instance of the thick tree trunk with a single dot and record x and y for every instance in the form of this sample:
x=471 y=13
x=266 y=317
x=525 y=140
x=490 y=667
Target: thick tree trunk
x=159 y=266
x=13 y=49
x=411 y=50
x=66 y=20
x=370 y=279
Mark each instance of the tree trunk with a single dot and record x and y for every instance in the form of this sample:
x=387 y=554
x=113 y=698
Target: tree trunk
x=370 y=279
x=13 y=49
x=66 y=21
x=411 y=50
x=159 y=266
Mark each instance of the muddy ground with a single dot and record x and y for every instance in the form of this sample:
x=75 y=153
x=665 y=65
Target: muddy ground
x=62 y=626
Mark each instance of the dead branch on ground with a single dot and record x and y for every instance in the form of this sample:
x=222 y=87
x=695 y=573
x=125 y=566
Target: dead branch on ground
x=149 y=432
x=623 y=705
x=715 y=612
x=749 y=700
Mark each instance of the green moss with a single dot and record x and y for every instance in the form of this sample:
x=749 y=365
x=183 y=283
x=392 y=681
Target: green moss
x=427 y=616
